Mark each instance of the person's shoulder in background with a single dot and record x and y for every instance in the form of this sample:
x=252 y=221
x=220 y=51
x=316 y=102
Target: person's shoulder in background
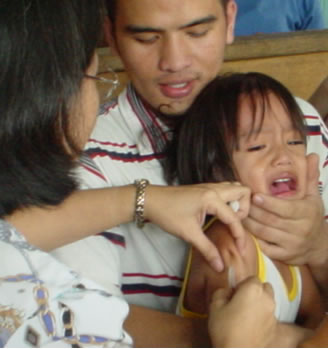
x=264 y=16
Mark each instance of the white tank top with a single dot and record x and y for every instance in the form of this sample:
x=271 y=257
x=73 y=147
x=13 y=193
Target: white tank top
x=287 y=301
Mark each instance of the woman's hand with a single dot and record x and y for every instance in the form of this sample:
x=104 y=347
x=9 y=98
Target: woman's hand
x=181 y=211
x=245 y=318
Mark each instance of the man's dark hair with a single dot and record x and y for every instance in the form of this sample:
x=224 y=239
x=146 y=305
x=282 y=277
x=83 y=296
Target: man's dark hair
x=45 y=48
x=204 y=140
x=112 y=8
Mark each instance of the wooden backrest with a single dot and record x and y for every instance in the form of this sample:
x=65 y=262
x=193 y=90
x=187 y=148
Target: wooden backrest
x=298 y=59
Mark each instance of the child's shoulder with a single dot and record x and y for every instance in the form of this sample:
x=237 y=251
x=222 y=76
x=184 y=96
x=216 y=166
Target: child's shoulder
x=244 y=265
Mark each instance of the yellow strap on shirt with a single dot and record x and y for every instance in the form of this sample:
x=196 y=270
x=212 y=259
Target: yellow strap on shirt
x=262 y=272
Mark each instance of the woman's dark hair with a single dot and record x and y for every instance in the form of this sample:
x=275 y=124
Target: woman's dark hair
x=45 y=48
x=204 y=140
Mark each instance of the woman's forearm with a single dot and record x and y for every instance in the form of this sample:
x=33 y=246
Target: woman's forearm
x=178 y=210
x=84 y=213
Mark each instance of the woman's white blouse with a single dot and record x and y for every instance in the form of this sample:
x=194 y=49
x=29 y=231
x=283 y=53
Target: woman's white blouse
x=43 y=303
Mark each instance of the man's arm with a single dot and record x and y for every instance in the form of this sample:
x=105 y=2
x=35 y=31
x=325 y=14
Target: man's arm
x=320 y=270
x=289 y=335
x=244 y=318
x=312 y=305
x=319 y=339
x=154 y=329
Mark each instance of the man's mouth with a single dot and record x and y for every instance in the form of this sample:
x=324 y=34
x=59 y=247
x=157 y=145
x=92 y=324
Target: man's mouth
x=177 y=89
x=181 y=85
x=283 y=186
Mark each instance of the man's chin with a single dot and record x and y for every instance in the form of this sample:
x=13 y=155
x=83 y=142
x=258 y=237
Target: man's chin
x=173 y=109
x=168 y=107
x=169 y=119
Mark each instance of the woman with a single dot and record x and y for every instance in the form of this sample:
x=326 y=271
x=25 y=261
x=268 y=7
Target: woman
x=43 y=139
x=48 y=104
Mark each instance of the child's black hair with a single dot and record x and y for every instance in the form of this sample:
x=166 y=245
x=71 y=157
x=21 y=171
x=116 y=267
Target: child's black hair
x=204 y=139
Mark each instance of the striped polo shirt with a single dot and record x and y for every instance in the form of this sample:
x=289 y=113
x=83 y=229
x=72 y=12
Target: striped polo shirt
x=147 y=264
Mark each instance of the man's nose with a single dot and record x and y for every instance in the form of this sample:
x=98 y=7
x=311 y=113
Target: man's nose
x=175 y=54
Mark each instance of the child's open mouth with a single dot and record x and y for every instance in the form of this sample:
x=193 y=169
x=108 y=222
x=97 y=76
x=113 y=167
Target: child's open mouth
x=283 y=186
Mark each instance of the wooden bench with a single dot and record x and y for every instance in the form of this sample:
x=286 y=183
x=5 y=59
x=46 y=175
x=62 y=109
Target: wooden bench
x=298 y=59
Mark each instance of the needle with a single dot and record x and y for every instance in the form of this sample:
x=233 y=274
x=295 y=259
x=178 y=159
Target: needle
x=234 y=205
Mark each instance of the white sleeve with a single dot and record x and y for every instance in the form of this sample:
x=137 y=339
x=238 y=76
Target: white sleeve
x=90 y=175
x=317 y=142
x=94 y=258
x=46 y=304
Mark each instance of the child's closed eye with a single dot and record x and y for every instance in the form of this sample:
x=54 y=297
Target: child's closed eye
x=256 y=147
x=296 y=142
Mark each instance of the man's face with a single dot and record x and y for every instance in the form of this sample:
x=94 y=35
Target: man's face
x=272 y=161
x=172 y=48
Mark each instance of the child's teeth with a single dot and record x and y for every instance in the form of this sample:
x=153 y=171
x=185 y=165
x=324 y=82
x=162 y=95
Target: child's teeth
x=282 y=180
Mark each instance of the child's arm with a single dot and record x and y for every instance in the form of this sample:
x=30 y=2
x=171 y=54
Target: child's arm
x=201 y=281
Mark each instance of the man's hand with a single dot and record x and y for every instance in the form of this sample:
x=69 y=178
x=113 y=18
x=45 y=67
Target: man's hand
x=293 y=231
x=245 y=319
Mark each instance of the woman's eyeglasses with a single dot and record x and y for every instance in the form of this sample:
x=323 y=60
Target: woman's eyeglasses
x=106 y=92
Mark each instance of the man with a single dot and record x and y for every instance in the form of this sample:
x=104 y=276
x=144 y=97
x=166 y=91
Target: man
x=171 y=49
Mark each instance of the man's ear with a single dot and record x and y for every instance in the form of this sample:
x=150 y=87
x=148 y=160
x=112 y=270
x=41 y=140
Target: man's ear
x=108 y=35
x=231 y=12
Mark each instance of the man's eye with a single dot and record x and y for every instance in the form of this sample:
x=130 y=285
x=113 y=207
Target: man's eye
x=296 y=142
x=256 y=148
x=198 y=34
x=146 y=39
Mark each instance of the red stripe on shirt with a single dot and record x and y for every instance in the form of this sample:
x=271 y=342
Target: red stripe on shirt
x=119 y=145
x=89 y=169
x=160 y=276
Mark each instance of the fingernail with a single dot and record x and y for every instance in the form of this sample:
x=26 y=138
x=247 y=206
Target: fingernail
x=258 y=199
x=217 y=265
